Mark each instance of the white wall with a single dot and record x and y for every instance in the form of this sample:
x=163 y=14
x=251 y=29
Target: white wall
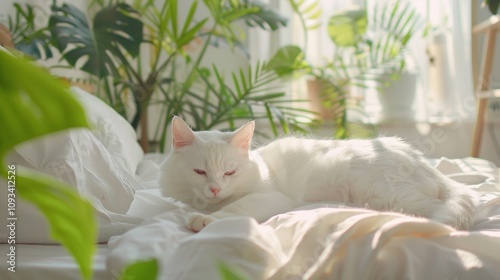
x=451 y=140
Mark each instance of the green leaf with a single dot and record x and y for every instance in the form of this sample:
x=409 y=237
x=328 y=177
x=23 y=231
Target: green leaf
x=253 y=88
x=114 y=28
x=190 y=16
x=347 y=27
x=231 y=15
x=25 y=36
x=493 y=5
x=71 y=218
x=264 y=97
x=254 y=13
x=27 y=109
x=188 y=36
x=218 y=39
x=229 y=273
x=34 y=104
x=168 y=23
x=270 y=117
x=143 y=270
x=308 y=11
x=288 y=60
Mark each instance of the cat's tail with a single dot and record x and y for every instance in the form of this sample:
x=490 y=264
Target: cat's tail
x=457 y=208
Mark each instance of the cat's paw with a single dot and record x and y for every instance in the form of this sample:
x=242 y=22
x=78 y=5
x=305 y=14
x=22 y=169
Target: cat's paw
x=197 y=221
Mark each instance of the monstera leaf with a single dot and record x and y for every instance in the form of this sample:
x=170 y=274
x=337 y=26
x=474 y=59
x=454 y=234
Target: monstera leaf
x=115 y=29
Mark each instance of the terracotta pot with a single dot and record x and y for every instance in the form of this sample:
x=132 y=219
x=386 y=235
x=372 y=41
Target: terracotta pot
x=315 y=88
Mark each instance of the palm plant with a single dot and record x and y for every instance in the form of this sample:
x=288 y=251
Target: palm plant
x=368 y=42
x=137 y=50
x=26 y=37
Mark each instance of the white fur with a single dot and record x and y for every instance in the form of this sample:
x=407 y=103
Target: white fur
x=383 y=174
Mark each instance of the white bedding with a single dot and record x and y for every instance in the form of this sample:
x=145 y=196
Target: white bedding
x=320 y=241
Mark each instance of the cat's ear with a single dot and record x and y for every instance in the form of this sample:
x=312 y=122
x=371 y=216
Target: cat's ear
x=242 y=138
x=181 y=133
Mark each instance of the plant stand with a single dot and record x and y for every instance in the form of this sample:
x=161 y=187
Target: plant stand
x=491 y=27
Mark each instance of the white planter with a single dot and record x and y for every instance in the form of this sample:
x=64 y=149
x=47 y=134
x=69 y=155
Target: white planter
x=395 y=103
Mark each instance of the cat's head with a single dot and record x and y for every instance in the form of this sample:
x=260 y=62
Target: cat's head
x=206 y=167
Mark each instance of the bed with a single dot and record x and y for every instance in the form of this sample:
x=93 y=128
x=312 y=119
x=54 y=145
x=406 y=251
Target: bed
x=316 y=241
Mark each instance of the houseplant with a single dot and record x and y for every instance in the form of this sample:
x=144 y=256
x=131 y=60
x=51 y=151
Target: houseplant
x=493 y=5
x=368 y=41
x=387 y=72
x=25 y=36
x=27 y=112
x=145 y=63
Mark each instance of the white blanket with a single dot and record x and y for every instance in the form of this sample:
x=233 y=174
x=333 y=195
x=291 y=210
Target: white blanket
x=320 y=241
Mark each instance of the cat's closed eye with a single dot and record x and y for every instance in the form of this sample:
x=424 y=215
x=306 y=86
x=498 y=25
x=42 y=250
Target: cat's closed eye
x=200 y=172
x=229 y=173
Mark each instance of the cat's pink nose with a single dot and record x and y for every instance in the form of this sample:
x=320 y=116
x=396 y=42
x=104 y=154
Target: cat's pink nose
x=215 y=191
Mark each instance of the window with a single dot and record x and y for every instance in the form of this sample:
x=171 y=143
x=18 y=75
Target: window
x=441 y=59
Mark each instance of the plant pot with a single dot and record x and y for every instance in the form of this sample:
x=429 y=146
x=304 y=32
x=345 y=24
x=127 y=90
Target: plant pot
x=326 y=99
x=315 y=88
x=393 y=103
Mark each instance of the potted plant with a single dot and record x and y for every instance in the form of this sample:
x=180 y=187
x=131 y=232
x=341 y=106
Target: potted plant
x=370 y=53
x=136 y=52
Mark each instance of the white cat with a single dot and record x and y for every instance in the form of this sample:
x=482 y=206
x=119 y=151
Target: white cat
x=218 y=174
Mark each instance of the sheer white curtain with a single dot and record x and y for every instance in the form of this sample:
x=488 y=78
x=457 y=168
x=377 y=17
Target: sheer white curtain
x=261 y=43
x=319 y=46
x=316 y=44
x=451 y=93
x=442 y=59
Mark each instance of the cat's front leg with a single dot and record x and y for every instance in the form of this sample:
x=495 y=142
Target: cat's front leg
x=198 y=221
x=259 y=205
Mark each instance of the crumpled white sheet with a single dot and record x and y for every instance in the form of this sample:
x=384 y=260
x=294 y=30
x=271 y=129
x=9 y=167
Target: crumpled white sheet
x=321 y=241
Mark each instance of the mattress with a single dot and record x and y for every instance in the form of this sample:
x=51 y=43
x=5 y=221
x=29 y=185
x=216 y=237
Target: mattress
x=49 y=262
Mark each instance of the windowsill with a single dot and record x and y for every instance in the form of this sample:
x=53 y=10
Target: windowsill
x=431 y=120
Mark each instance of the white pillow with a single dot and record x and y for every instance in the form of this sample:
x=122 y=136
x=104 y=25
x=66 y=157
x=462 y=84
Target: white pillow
x=100 y=164
x=114 y=131
x=79 y=159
